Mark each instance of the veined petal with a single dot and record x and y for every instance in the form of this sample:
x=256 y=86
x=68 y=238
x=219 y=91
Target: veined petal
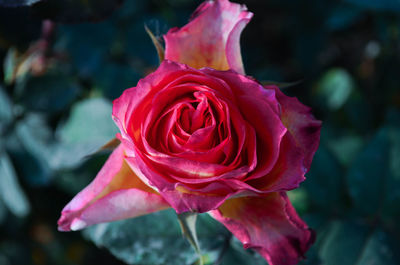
x=211 y=38
x=116 y=193
x=268 y=224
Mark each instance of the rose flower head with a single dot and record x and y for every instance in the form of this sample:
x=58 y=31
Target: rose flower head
x=198 y=135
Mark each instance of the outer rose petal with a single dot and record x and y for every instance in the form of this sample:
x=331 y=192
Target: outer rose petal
x=299 y=121
x=269 y=224
x=116 y=193
x=211 y=38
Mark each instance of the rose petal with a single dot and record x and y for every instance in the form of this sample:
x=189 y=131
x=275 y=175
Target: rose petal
x=288 y=171
x=116 y=193
x=299 y=121
x=269 y=224
x=211 y=38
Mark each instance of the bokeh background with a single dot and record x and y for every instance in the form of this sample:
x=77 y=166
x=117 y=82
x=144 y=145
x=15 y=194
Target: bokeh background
x=63 y=62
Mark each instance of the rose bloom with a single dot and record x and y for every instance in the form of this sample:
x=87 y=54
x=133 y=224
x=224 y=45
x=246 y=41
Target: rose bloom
x=198 y=135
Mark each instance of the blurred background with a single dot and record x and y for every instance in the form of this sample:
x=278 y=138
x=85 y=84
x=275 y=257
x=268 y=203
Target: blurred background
x=63 y=62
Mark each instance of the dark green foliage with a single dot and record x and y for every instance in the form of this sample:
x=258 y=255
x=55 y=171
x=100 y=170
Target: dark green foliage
x=57 y=84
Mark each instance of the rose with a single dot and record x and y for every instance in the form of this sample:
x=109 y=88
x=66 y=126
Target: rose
x=207 y=140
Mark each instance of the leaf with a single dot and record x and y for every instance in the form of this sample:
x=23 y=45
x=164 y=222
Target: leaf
x=91 y=53
x=342 y=238
x=346 y=147
x=187 y=222
x=348 y=243
x=366 y=176
x=156 y=239
x=52 y=92
x=9 y=66
x=15 y=3
x=10 y=191
x=74 y=11
x=34 y=156
x=235 y=254
x=324 y=182
x=6 y=110
x=334 y=88
x=88 y=127
x=112 y=79
x=379 y=249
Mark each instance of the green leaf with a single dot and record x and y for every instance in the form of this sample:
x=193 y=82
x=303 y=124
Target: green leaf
x=112 y=79
x=52 y=92
x=348 y=243
x=91 y=53
x=346 y=147
x=6 y=110
x=344 y=244
x=10 y=191
x=156 y=239
x=88 y=127
x=15 y=3
x=10 y=63
x=334 y=88
x=235 y=254
x=34 y=156
x=366 y=176
x=324 y=182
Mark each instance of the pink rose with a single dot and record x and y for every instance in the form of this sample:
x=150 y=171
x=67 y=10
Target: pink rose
x=207 y=140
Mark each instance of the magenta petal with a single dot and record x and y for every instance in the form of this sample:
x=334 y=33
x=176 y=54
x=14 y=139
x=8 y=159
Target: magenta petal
x=299 y=121
x=116 y=193
x=268 y=224
x=211 y=38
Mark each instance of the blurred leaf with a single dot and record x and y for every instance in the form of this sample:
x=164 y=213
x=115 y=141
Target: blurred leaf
x=381 y=5
x=367 y=246
x=391 y=190
x=156 y=239
x=334 y=88
x=346 y=147
x=88 y=127
x=359 y=112
x=52 y=92
x=37 y=140
x=6 y=111
x=10 y=63
x=87 y=45
x=324 y=182
x=299 y=199
x=10 y=191
x=76 y=10
x=112 y=79
x=366 y=176
x=3 y=214
x=15 y=3
x=235 y=254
